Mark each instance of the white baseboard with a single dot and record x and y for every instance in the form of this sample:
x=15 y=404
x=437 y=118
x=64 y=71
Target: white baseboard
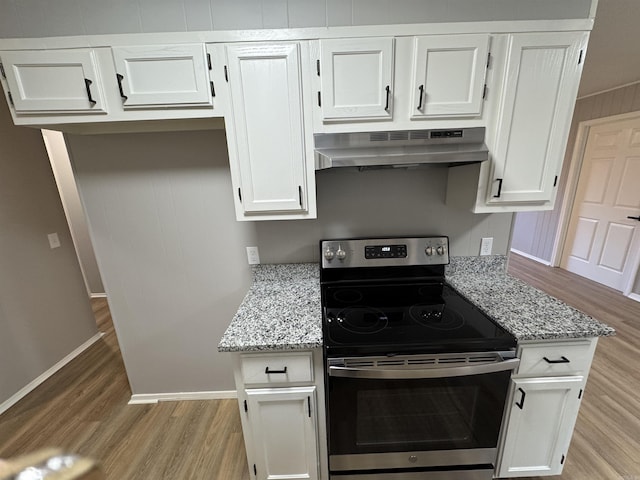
x=531 y=257
x=98 y=295
x=142 y=398
x=634 y=296
x=23 y=392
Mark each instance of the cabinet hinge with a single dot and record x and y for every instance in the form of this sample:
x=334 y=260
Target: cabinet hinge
x=555 y=181
x=484 y=92
x=246 y=409
x=580 y=394
x=319 y=100
x=488 y=59
x=580 y=57
x=226 y=74
x=562 y=460
x=209 y=61
x=4 y=75
x=213 y=89
x=11 y=99
x=255 y=470
x=318 y=67
x=240 y=197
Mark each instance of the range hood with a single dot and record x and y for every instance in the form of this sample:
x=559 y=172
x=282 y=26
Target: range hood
x=400 y=149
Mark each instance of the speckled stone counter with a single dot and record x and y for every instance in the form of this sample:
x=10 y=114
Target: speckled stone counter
x=281 y=311
x=525 y=311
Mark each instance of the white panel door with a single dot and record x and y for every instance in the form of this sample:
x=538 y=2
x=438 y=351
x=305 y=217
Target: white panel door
x=54 y=81
x=542 y=415
x=267 y=127
x=283 y=425
x=356 y=77
x=163 y=75
x=542 y=77
x=603 y=244
x=449 y=75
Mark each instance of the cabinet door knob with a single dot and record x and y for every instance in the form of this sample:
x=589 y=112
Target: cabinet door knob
x=267 y=371
x=87 y=85
x=420 y=95
x=499 y=180
x=386 y=107
x=520 y=404
x=563 y=359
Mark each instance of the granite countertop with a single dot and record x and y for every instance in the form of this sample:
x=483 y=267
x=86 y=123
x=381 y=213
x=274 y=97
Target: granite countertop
x=282 y=310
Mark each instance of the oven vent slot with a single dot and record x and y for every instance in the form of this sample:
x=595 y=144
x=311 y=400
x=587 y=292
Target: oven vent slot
x=359 y=363
x=391 y=362
x=453 y=360
x=421 y=361
x=485 y=359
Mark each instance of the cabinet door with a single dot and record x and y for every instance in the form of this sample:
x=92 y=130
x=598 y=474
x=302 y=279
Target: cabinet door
x=449 y=75
x=542 y=77
x=162 y=75
x=267 y=127
x=357 y=78
x=54 y=81
x=543 y=412
x=283 y=425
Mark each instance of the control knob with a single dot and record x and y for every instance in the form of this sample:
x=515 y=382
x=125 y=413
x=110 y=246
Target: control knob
x=341 y=254
x=440 y=250
x=329 y=254
x=428 y=251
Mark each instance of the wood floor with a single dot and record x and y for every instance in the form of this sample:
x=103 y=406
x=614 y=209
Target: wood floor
x=84 y=406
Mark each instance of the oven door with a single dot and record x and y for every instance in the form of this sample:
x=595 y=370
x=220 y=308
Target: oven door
x=416 y=411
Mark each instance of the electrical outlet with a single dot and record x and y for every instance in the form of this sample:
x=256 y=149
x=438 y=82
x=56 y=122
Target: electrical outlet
x=54 y=241
x=486 y=246
x=253 y=256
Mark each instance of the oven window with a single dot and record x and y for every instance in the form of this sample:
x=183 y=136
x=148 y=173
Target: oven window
x=422 y=416
x=373 y=416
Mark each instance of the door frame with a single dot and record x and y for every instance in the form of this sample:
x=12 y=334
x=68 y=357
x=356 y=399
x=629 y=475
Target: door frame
x=569 y=196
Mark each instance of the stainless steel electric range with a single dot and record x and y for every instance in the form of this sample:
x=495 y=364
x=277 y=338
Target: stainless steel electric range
x=416 y=375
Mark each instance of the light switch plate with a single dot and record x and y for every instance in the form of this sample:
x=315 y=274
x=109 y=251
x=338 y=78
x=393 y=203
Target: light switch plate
x=253 y=256
x=54 y=241
x=486 y=245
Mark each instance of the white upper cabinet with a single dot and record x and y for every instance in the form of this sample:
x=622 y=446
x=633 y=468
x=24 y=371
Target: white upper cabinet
x=163 y=75
x=542 y=77
x=449 y=75
x=266 y=134
x=53 y=81
x=356 y=77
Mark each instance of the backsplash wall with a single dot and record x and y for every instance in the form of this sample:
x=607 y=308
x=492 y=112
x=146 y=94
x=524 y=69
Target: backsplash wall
x=388 y=202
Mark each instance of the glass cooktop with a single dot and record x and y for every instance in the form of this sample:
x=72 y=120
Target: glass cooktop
x=429 y=317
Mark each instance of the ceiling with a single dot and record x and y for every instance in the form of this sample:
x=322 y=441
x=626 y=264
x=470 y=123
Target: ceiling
x=613 y=56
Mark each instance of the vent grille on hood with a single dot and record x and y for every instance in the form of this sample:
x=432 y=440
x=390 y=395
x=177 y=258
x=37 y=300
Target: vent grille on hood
x=401 y=148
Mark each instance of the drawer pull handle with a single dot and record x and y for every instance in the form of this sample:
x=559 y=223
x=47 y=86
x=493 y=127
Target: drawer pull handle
x=563 y=359
x=267 y=371
x=421 y=90
x=520 y=404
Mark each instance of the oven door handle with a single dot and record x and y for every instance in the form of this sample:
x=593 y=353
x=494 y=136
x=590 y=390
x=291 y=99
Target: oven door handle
x=391 y=374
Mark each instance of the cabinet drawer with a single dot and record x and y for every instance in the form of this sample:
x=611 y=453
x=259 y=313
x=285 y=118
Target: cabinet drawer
x=558 y=358
x=276 y=368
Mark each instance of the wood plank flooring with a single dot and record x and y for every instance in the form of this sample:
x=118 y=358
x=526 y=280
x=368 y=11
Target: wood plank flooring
x=84 y=409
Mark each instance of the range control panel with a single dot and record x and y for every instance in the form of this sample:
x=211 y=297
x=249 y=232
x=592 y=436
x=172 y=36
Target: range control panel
x=378 y=252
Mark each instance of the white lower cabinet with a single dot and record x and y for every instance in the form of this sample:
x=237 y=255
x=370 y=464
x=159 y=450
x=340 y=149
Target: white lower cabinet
x=280 y=395
x=543 y=412
x=543 y=407
x=283 y=428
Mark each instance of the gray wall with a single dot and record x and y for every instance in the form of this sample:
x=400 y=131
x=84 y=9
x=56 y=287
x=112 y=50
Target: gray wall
x=44 y=307
x=535 y=232
x=173 y=257
x=42 y=18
